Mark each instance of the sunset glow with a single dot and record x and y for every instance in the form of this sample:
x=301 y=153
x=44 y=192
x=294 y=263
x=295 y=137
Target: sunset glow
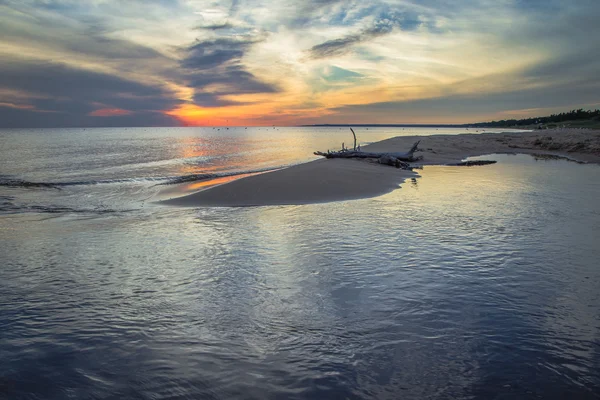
x=258 y=62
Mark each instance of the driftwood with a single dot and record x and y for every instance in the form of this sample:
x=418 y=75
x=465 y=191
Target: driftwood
x=354 y=134
x=396 y=159
x=344 y=153
x=393 y=161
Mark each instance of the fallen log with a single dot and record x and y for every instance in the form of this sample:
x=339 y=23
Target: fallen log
x=407 y=156
x=386 y=159
x=396 y=159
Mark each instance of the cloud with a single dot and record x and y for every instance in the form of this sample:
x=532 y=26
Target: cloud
x=19 y=118
x=66 y=69
x=109 y=112
x=61 y=83
x=215 y=27
x=384 y=25
x=201 y=58
x=80 y=37
x=74 y=95
x=218 y=63
x=572 y=67
x=335 y=47
x=465 y=107
x=71 y=61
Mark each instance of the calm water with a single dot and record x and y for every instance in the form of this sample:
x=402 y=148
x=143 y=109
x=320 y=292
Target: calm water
x=479 y=282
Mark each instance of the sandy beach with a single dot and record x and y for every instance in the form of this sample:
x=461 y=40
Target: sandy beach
x=336 y=179
x=577 y=144
x=314 y=182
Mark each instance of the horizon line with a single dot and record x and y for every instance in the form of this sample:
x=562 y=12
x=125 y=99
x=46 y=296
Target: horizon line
x=467 y=125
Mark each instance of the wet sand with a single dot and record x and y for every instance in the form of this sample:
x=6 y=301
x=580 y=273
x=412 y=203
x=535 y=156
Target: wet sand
x=347 y=179
x=314 y=182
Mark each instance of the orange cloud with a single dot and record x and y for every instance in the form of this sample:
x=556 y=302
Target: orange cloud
x=109 y=112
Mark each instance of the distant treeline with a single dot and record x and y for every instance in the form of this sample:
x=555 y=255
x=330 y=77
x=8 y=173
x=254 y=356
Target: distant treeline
x=573 y=115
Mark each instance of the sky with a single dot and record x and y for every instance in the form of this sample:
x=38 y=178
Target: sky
x=88 y=63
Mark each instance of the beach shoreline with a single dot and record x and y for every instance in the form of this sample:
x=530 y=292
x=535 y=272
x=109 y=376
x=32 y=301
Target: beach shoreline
x=323 y=180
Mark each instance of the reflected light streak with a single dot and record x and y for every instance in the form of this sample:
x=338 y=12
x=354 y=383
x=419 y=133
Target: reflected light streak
x=213 y=182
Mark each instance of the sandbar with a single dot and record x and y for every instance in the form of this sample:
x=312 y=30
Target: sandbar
x=317 y=181
x=330 y=180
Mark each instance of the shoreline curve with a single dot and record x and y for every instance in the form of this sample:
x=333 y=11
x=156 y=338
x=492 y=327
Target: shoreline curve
x=323 y=180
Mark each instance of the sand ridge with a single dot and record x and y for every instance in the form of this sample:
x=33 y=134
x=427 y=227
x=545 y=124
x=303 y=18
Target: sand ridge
x=347 y=179
x=314 y=182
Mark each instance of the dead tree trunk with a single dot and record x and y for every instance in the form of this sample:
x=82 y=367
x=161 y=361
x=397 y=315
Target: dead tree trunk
x=396 y=159
x=406 y=156
x=393 y=161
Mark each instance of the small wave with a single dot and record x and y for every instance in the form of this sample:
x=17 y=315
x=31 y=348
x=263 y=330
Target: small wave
x=20 y=183
x=167 y=180
x=9 y=208
x=26 y=184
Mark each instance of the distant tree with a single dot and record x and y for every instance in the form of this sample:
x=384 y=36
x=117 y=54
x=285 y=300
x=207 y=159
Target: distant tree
x=573 y=115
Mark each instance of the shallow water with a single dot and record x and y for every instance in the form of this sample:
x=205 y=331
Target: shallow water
x=469 y=282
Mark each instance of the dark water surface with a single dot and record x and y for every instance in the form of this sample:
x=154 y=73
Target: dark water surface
x=480 y=282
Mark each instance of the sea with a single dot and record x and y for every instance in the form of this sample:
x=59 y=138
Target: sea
x=465 y=283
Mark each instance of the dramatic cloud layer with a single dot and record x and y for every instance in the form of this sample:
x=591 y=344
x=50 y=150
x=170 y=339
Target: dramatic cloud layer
x=258 y=62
